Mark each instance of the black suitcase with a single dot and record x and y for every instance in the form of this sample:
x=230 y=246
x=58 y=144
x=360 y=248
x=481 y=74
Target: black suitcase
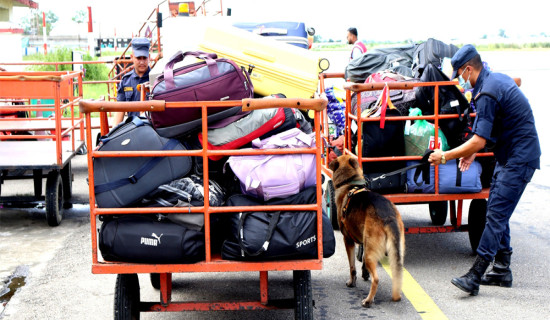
x=122 y=181
x=149 y=239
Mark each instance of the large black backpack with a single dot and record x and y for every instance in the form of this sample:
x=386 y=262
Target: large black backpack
x=431 y=52
x=451 y=101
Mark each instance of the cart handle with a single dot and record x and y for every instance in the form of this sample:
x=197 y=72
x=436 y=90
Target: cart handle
x=106 y=106
x=309 y=104
x=32 y=78
x=355 y=87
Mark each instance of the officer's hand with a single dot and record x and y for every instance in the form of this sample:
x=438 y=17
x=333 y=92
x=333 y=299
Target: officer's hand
x=465 y=162
x=435 y=157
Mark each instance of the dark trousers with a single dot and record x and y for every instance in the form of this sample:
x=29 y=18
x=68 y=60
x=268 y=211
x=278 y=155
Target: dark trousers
x=508 y=184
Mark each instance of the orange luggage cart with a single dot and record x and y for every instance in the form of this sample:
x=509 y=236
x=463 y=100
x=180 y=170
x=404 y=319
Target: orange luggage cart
x=21 y=152
x=439 y=204
x=127 y=300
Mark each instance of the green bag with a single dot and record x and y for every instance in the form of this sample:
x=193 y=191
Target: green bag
x=420 y=136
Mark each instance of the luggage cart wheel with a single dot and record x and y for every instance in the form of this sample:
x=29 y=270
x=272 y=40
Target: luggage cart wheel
x=303 y=296
x=155 y=280
x=330 y=199
x=438 y=212
x=54 y=198
x=477 y=214
x=127 y=297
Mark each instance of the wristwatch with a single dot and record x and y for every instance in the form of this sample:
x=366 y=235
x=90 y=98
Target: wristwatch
x=443 y=160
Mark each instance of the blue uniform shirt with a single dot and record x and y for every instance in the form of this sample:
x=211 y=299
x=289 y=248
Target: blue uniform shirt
x=127 y=88
x=505 y=119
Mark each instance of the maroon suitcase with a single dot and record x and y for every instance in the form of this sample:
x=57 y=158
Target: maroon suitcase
x=210 y=80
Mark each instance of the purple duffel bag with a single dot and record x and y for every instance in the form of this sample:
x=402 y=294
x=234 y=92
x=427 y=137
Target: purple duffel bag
x=276 y=176
x=210 y=80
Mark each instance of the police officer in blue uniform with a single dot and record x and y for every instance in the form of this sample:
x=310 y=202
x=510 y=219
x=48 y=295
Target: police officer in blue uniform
x=505 y=123
x=127 y=88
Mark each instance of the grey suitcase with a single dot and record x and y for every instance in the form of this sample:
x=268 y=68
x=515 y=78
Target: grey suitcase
x=121 y=181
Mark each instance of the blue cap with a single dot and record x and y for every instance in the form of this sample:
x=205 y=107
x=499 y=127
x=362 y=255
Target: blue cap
x=140 y=47
x=463 y=55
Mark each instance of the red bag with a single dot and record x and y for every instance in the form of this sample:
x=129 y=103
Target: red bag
x=255 y=125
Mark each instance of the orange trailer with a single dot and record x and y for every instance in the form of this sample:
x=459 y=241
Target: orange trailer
x=41 y=152
x=127 y=300
x=439 y=204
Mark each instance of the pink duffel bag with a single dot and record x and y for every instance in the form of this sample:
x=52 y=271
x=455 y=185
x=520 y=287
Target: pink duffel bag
x=276 y=176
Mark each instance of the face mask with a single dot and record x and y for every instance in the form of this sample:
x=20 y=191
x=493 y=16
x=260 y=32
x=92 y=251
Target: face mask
x=464 y=84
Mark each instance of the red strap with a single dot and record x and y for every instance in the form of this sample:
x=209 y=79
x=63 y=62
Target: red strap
x=384 y=106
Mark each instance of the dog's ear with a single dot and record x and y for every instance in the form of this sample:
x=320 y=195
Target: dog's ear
x=333 y=165
x=353 y=163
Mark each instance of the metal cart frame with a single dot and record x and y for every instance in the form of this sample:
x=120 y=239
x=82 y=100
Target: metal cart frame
x=127 y=301
x=19 y=153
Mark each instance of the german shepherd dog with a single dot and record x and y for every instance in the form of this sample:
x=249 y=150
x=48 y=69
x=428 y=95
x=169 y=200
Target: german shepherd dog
x=368 y=218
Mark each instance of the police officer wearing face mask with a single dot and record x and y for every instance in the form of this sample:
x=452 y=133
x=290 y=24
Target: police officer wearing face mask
x=504 y=122
x=127 y=88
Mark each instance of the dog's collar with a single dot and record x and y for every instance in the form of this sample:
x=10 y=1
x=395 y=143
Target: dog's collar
x=347 y=199
x=361 y=182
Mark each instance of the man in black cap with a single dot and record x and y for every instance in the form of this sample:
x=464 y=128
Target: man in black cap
x=504 y=122
x=127 y=88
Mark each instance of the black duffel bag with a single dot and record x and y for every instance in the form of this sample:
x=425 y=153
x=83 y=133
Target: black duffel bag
x=256 y=236
x=149 y=239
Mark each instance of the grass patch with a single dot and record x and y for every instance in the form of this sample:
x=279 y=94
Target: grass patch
x=94 y=90
x=92 y=71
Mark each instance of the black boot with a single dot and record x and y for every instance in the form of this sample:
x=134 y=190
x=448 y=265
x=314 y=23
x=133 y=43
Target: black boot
x=470 y=281
x=500 y=274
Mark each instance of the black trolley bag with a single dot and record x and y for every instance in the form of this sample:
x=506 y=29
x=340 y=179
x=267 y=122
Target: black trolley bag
x=149 y=239
x=275 y=235
x=121 y=181
x=387 y=142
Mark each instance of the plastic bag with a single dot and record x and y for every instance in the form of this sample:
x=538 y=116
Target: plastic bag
x=420 y=136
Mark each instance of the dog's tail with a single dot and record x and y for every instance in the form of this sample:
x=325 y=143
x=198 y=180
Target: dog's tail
x=396 y=255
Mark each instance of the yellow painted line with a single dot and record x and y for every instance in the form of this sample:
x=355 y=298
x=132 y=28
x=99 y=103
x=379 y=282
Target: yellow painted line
x=420 y=300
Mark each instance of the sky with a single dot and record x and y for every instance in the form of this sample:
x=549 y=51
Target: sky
x=393 y=20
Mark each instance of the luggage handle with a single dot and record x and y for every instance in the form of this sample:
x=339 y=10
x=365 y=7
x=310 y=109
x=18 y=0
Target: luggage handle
x=87 y=106
x=209 y=58
x=309 y=104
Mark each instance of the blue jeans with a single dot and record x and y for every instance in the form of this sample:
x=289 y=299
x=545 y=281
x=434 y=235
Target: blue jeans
x=508 y=184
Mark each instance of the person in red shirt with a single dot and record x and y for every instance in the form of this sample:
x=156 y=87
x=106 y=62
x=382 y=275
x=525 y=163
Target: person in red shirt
x=358 y=47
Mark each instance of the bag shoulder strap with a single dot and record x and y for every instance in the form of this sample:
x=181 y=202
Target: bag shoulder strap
x=270 y=229
x=209 y=58
x=143 y=170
